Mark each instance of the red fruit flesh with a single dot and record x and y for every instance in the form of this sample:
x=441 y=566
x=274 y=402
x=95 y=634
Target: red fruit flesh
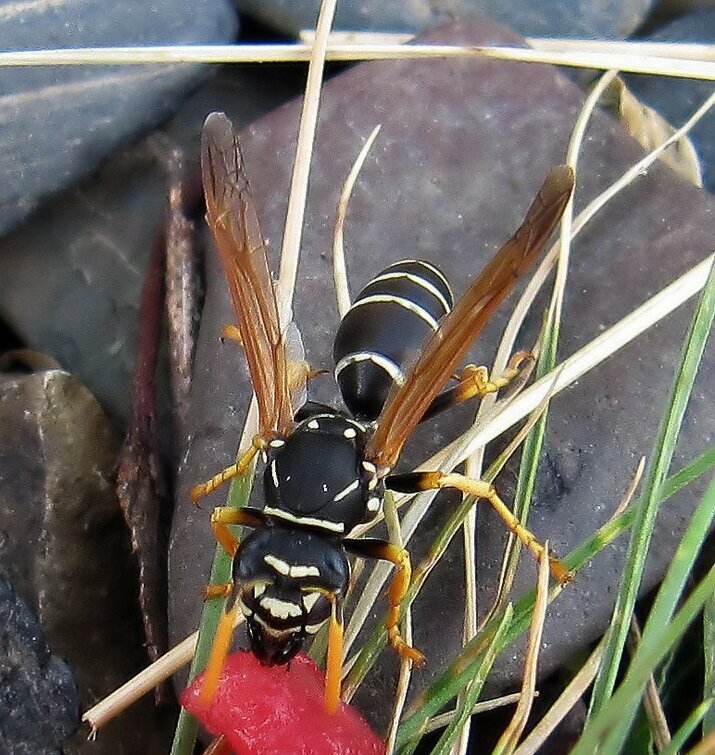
x=279 y=711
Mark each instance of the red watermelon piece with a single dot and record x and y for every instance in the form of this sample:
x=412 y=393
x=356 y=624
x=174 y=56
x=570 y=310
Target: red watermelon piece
x=279 y=710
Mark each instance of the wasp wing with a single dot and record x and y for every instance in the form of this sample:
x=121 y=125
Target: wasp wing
x=444 y=350
x=232 y=216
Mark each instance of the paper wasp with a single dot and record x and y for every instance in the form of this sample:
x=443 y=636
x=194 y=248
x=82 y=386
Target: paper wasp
x=326 y=471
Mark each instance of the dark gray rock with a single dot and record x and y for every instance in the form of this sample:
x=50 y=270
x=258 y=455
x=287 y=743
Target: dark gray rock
x=675 y=98
x=65 y=546
x=70 y=277
x=672 y=8
x=39 y=699
x=57 y=124
x=530 y=18
x=463 y=148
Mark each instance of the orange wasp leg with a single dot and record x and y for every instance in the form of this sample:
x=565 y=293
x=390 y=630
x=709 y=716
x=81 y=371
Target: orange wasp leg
x=475 y=381
x=400 y=557
x=218 y=590
x=223 y=516
x=414 y=482
x=219 y=651
x=259 y=443
x=232 y=333
x=298 y=372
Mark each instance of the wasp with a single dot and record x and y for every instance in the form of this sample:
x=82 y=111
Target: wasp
x=326 y=471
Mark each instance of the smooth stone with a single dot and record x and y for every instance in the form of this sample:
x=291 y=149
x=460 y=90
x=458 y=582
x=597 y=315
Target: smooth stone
x=574 y=18
x=672 y=8
x=463 y=148
x=66 y=547
x=58 y=123
x=39 y=699
x=676 y=99
x=83 y=256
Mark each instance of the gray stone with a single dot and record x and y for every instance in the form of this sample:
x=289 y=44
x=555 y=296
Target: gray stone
x=82 y=256
x=58 y=123
x=463 y=148
x=66 y=548
x=39 y=699
x=528 y=17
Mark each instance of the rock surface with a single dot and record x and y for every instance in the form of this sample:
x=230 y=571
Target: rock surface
x=39 y=699
x=58 y=123
x=464 y=146
x=83 y=255
x=529 y=17
x=66 y=548
x=676 y=99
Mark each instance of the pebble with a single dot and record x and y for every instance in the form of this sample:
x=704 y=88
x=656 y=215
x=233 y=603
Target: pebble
x=57 y=124
x=531 y=18
x=83 y=255
x=39 y=698
x=67 y=550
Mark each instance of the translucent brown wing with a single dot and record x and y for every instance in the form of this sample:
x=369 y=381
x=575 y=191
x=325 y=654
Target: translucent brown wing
x=446 y=348
x=232 y=216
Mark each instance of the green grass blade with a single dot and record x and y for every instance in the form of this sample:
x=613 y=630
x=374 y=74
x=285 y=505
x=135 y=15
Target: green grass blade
x=648 y=508
x=187 y=727
x=671 y=590
x=472 y=692
x=681 y=736
x=709 y=663
x=660 y=616
x=596 y=735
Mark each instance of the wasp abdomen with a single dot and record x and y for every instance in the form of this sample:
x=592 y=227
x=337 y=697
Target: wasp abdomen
x=383 y=329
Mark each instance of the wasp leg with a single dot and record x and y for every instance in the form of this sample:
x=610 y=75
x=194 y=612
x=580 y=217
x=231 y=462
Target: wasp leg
x=475 y=381
x=414 y=482
x=400 y=557
x=232 y=333
x=199 y=491
x=218 y=590
x=219 y=651
x=223 y=516
x=298 y=372
x=334 y=661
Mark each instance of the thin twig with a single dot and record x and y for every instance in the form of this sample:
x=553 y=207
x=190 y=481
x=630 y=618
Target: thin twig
x=565 y=702
x=625 y=502
x=112 y=705
x=651 y=701
x=293 y=231
x=510 y=737
x=175 y=54
x=162 y=669
x=444 y=719
x=687 y=50
x=340 y=275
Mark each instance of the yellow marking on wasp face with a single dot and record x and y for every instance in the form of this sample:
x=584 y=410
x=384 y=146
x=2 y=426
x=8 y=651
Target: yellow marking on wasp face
x=281 y=609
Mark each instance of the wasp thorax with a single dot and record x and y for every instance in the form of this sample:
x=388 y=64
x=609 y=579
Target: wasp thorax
x=317 y=477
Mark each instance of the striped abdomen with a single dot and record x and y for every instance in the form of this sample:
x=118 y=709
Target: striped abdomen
x=383 y=329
